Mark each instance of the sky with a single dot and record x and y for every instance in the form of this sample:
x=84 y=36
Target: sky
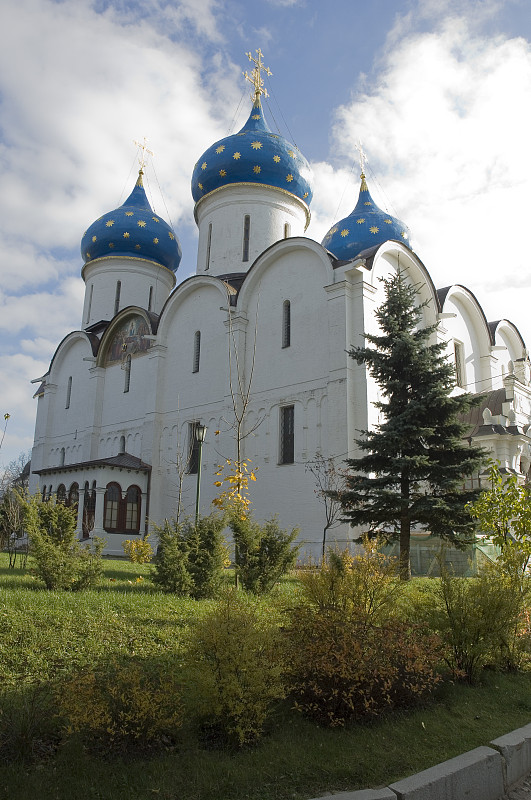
x=437 y=91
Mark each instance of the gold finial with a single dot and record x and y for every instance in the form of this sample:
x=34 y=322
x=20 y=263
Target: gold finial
x=142 y=160
x=256 y=76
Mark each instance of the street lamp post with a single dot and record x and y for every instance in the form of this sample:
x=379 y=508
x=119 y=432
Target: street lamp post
x=200 y=433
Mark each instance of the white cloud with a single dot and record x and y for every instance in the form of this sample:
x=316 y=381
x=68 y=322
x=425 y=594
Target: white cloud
x=446 y=132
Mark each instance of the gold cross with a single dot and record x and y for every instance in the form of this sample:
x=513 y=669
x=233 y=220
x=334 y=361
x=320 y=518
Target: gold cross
x=363 y=157
x=143 y=146
x=256 y=76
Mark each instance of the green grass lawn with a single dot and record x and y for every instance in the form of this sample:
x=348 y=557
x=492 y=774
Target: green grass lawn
x=46 y=634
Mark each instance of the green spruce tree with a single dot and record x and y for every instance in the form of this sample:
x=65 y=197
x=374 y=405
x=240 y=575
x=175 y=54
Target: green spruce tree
x=415 y=463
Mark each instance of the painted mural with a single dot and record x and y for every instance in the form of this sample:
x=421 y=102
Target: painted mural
x=131 y=338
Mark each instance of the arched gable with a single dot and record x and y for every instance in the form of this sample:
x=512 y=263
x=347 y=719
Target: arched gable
x=183 y=292
x=63 y=350
x=131 y=332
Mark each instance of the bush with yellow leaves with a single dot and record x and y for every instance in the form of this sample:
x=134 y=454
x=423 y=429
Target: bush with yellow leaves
x=139 y=551
x=123 y=703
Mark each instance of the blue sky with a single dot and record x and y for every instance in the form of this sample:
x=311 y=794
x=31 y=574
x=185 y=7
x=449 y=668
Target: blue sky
x=438 y=91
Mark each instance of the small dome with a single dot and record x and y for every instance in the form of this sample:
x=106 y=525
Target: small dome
x=254 y=155
x=365 y=227
x=132 y=230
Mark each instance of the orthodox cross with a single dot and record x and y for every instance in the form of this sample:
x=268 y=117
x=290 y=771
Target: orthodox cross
x=256 y=76
x=142 y=160
x=362 y=157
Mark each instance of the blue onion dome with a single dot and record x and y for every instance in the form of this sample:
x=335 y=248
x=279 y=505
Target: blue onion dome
x=364 y=227
x=253 y=156
x=132 y=230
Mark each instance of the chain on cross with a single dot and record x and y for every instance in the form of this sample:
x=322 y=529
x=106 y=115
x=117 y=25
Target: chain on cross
x=256 y=76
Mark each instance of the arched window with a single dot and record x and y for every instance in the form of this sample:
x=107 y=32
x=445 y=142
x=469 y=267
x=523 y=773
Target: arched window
x=73 y=496
x=197 y=351
x=68 y=392
x=127 y=377
x=117 y=297
x=287 y=230
x=89 y=509
x=122 y=445
x=61 y=493
x=286 y=324
x=132 y=509
x=111 y=507
x=246 y=237
x=209 y=246
x=89 y=307
x=287 y=438
x=62 y=457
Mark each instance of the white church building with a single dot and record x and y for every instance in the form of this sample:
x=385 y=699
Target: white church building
x=270 y=314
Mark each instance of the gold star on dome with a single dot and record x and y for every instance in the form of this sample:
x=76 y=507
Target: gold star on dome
x=291 y=153
x=94 y=238
x=374 y=229
x=155 y=240
x=255 y=116
x=200 y=186
x=257 y=169
x=222 y=173
x=155 y=219
x=204 y=165
x=237 y=155
x=137 y=247
x=242 y=133
x=126 y=235
x=128 y=213
x=360 y=220
x=109 y=223
x=88 y=254
x=276 y=159
x=388 y=221
x=220 y=149
x=367 y=203
x=305 y=195
x=403 y=235
x=345 y=232
x=141 y=223
x=289 y=177
x=170 y=234
x=332 y=230
x=256 y=145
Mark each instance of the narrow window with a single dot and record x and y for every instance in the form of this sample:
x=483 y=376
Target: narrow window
x=117 y=297
x=89 y=308
x=286 y=324
x=62 y=457
x=193 y=448
x=132 y=509
x=150 y=299
x=68 y=392
x=44 y=493
x=460 y=372
x=122 y=445
x=246 y=235
x=287 y=230
x=127 y=368
x=73 y=496
x=61 y=493
x=287 y=449
x=111 y=506
x=209 y=245
x=197 y=351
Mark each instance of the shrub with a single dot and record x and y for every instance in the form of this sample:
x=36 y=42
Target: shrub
x=60 y=560
x=122 y=704
x=139 y=551
x=28 y=724
x=190 y=557
x=365 y=584
x=264 y=553
x=342 y=668
x=237 y=663
x=482 y=621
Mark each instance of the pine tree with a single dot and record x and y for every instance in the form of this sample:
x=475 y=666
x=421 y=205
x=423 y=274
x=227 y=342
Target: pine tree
x=416 y=461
